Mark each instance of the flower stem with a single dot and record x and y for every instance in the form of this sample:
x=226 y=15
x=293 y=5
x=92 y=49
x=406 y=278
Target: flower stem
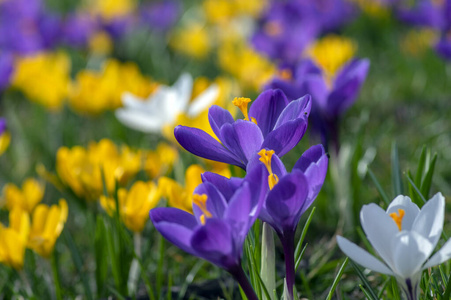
x=135 y=268
x=242 y=280
x=288 y=249
x=56 y=276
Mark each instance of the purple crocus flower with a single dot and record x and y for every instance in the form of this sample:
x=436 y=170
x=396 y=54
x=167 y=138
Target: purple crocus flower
x=272 y=122
x=160 y=16
x=443 y=47
x=289 y=195
x=6 y=69
x=426 y=13
x=78 y=29
x=224 y=211
x=330 y=99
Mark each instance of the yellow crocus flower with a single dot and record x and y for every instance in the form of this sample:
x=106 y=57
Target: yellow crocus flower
x=192 y=40
x=26 y=198
x=134 y=205
x=160 y=161
x=13 y=239
x=179 y=196
x=47 y=225
x=111 y=9
x=44 y=78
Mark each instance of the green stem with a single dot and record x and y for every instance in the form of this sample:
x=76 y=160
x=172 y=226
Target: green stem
x=56 y=276
x=135 y=268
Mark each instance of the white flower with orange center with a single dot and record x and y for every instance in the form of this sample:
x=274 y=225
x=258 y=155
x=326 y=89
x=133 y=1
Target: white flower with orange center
x=404 y=237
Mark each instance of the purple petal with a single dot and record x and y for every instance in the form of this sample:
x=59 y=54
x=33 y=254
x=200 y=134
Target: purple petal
x=226 y=186
x=175 y=225
x=347 y=86
x=286 y=137
x=287 y=199
x=218 y=116
x=216 y=203
x=243 y=138
x=214 y=242
x=199 y=143
x=299 y=108
x=237 y=213
x=267 y=108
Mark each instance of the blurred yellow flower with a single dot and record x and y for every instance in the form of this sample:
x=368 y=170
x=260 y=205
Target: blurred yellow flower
x=373 y=8
x=13 y=239
x=110 y=9
x=5 y=139
x=331 y=53
x=251 y=69
x=97 y=91
x=100 y=43
x=192 y=40
x=179 y=196
x=26 y=198
x=218 y=11
x=134 y=205
x=46 y=226
x=44 y=78
x=160 y=161
x=81 y=169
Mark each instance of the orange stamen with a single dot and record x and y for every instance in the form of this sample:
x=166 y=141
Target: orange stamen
x=397 y=217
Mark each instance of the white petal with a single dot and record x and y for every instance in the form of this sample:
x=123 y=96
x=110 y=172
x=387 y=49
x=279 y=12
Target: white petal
x=362 y=257
x=429 y=222
x=183 y=87
x=203 y=101
x=410 y=250
x=410 y=208
x=380 y=230
x=140 y=121
x=440 y=256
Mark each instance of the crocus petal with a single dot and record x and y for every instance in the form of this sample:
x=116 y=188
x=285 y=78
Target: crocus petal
x=216 y=203
x=411 y=210
x=285 y=137
x=226 y=186
x=362 y=257
x=429 y=222
x=243 y=138
x=380 y=230
x=203 y=101
x=218 y=116
x=440 y=256
x=213 y=242
x=258 y=184
x=141 y=121
x=299 y=108
x=410 y=251
x=347 y=86
x=237 y=214
x=200 y=143
x=175 y=225
x=286 y=200
x=267 y=108
x=183 y=87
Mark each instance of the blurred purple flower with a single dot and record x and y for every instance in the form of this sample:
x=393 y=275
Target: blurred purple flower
x=160 y=16
x=224 y=211
x=426 y=13
x=3 y=126
x=273 y=122
x=78 y=29
x=289 y=195
x=288 y=27
x=330 y=100
x=6 y=69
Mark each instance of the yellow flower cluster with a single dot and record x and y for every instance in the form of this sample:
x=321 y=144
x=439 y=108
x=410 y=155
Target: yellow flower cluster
x=111 y=9
x=83 y=169
x=332 y=52
x=44 y=78
x=40 y=234
x=5 y=139
x=97 y=91
x=134 y=205
x=192 y=40
x=218 y=11
x=251 y=69
x=418 y=41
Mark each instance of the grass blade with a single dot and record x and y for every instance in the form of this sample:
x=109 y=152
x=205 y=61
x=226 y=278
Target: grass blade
x=379 y=187
x=304 y=232
x=396 y=171
x=426 y=184
x=369 y=291
x=337 y=279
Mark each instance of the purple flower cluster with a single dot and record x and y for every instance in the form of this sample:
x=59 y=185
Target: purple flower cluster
x=287 y=27
x=3 y=126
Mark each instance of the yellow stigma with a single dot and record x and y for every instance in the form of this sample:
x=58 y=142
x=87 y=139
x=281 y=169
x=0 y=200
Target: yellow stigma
x=331 y=53
x=273 y=28
x=285 y=74
x=397 y=217
x=265 y=158
x=242 y=103
x=201 y=202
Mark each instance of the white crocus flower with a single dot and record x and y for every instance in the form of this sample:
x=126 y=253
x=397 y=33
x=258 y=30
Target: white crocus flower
x=162 y=107
x=404 y=237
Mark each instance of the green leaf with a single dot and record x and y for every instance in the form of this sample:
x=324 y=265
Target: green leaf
x=337 y=279
x=268 y=260
x=396 y=171
x=367 y=290
x=379 y=187
x=304 y=232
x=420 y=168
x=100 y=257
x=427 y=181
